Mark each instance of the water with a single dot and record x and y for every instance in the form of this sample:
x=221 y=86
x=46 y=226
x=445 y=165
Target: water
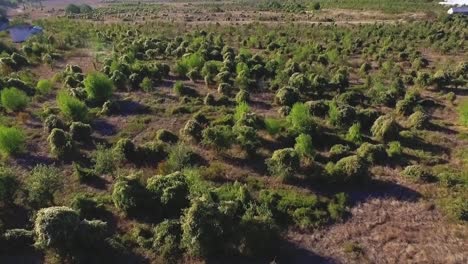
x=21 y=33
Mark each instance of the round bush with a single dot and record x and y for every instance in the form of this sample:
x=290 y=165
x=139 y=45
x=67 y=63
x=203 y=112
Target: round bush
x=167 y=236
x=81 y=132
x=286 y=96
x=55 y=227
x=372 y=153
x=418 y=120
x=53 y=121
x=61 y=144
x=98 y=87
x=350 y=169
x=13 y=99
x=192 y=129
x=284 y=163
x=12 y=141
x=171 y=192
x=128 y=195
x=385 y=128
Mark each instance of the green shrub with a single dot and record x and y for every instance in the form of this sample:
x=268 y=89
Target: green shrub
x=284 y=163
x=286 y=96
x=418 y=120
x=147 y=85
x=304 y=146
x=354 y=133
x=350 y=169
x=247 y=138
x=300 y=119
x=417 y=173
x=242 y=96
x=337 y=208
x=8 y=186
x=12 y=141
x=394 y=149
x=371 y=153
x=456 y=207
x=385 y=128
x=56 y=227
x=129 y=196
x=61 y=144
x=98 y=87
x=242 y=109
x=53 y=121
x=339 y=151
x=170 y=192
x=91 y=234
x=341 y=115
x=202 y=230
x=218 y=137
x=13 y=99
x=167 y=236
x=274 y=126
x=42 y=184
x=125 y=148
x=180 y=157
x=71 y=107
x=106 y=160
x=86 y=206
x=81 y=132
x=192 y=129
x=44 y=86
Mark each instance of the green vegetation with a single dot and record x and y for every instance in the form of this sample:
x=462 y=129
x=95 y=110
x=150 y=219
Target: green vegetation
x=12 y=141
x=72 y=107
x=13 y=99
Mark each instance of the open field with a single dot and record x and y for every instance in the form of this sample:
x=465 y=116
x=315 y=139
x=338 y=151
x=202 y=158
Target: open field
x=234 y=132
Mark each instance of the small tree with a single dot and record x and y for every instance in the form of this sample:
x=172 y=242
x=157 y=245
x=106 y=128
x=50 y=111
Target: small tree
x=72 y=107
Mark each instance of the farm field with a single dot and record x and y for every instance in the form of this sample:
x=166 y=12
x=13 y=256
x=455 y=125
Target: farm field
x=234 y=132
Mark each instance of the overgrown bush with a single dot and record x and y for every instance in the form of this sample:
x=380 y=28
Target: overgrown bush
x=284 y=163
x=98 y=87
x=167 y=236
x=192 y=129
x=129 y=196
x=350 y=169
x=42 y=184
x=81 y=132
x=12 y=141
x=286 y=96
x=170 y=193
x=394 y=149
x=372 y=153
x=385 y=128
x=13 y=99
x=72 y=107
x=53 y=121
x=106 y=160
x=61 y=144
x=44 y=86
x=418 y=120
x=304 y=146
x=56 y=227
x=218 y=137
x=354 y=133
x=300 y=119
